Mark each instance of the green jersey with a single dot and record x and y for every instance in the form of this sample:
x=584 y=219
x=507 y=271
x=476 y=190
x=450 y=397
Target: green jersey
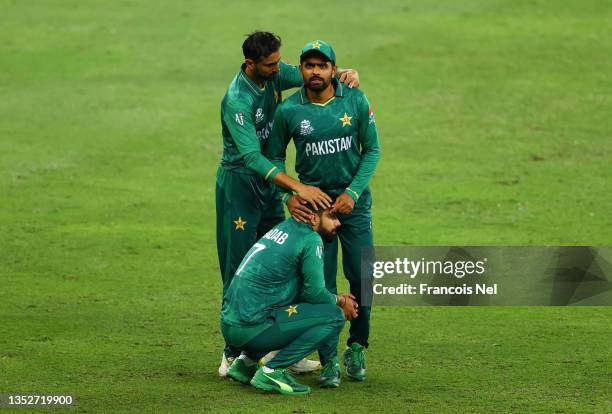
x=247 y=113
x=285 y=266
x=337 y=145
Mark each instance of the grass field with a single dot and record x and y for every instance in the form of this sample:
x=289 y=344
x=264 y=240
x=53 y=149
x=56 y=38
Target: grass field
x=496 y=127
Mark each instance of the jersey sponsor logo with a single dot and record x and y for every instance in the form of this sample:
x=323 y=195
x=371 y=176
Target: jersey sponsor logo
x=259 y=116
x=264 y=133
x=329 y=146
x=371 y=113
x=240 y=118
x=277 y=236
x=305 y=127
x=320 y=252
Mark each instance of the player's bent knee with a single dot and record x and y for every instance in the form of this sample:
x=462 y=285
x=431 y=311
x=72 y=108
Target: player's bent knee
x=336 y=316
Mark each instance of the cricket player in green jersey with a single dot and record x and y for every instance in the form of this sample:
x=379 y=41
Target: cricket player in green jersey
x=278 y=300
x=247 y=204
x=337 y=149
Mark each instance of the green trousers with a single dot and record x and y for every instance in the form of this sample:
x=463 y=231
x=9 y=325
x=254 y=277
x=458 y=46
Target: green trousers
x=354 y=234
x=296 y=330
x=247 y=208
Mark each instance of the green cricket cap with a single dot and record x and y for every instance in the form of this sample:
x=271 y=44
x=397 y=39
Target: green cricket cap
x=320 y=46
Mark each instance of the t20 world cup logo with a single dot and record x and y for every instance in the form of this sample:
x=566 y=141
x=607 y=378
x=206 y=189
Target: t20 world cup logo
x=305 y=127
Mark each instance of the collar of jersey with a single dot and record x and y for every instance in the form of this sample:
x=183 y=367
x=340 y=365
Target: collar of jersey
x=339 y=94
x=305 y=224
x=251 y=84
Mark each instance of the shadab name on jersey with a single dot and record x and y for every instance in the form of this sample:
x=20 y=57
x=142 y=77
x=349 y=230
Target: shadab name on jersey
x=276 y=236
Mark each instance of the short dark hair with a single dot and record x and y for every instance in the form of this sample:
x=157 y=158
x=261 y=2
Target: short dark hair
x=260 y=44
x=322 y=211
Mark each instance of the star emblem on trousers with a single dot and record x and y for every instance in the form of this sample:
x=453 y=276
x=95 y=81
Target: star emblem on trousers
x=346 y=120
x=291 y=310
x=240 y=223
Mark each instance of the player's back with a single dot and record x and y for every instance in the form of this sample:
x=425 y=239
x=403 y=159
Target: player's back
x=269 y=275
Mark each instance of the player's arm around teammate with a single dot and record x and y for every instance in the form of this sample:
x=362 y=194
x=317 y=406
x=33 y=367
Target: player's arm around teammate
x=247 y=205
x=242 y=131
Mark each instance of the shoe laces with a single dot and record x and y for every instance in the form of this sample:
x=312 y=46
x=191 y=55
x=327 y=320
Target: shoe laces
x=330 y=369
x=290 y=378
x=359 y=357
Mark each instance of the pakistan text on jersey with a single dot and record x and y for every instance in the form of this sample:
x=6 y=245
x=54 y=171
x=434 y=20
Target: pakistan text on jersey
x=329 y=146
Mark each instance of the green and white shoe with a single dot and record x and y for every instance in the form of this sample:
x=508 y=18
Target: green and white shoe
x=240 y=372
x=330 y=374
x=279 y=380
x=354 y=360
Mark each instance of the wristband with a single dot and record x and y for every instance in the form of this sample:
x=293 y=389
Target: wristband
x=352 y=193
x=341 y=301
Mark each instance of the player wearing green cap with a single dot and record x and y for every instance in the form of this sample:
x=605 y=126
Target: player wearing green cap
x=278 y=300
x=247 y=205
x=337 y=149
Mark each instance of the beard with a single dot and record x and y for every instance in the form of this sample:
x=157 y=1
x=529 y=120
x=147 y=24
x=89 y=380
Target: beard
x=319 y=86
x=263 y=77
x=327 y=236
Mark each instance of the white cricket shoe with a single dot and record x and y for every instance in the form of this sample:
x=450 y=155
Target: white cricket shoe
x=301 y=367
x=225 y=364
x=305 y=365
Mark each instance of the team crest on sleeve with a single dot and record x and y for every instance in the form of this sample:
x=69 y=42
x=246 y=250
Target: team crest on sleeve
x=305 y=127
x=240 y=118
x=371 y=112
x=259 y=116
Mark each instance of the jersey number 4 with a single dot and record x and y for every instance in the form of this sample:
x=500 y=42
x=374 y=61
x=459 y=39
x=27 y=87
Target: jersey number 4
x=258 y=247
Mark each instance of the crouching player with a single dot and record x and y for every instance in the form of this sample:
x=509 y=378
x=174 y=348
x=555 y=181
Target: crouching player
x=278 y=300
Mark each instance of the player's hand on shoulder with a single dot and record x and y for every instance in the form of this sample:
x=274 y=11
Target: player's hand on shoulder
x=350 y=77
x=298 y=209
x=344 y=204
x=349 y=305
